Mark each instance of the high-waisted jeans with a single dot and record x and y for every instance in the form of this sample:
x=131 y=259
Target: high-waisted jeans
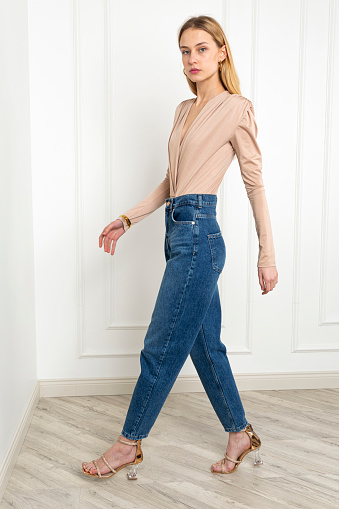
x=186 y=319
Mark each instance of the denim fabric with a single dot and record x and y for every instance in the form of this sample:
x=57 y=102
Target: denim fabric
x=186 y=319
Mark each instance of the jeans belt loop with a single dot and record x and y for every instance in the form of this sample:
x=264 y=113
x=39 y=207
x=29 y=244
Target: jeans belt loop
x=200 y=200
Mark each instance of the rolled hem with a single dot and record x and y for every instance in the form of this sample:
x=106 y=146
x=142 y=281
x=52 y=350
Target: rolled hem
x=131 y=437
x=239 y=428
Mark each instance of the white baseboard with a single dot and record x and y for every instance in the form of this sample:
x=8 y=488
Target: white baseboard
x=189 y=383
x=18 y=439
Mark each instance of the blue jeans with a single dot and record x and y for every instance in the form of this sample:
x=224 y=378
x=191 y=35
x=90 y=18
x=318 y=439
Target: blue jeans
x=186 y=319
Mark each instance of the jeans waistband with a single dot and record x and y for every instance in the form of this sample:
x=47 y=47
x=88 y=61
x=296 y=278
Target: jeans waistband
x=201 y=200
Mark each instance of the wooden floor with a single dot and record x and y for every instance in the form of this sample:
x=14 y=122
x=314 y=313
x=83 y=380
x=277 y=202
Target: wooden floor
x=299 y=431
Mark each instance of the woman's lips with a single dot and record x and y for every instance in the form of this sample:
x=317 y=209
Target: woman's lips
x=194 y=71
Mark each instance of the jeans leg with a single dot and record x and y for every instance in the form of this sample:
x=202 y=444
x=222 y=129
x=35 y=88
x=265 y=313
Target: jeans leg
x=210 y=359
x=176 y=320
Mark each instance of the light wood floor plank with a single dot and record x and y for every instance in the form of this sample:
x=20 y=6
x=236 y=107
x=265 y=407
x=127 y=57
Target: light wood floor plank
x=300 y=444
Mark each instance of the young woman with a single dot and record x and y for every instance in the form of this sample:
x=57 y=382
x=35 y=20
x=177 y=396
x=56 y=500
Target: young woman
x=208 y=132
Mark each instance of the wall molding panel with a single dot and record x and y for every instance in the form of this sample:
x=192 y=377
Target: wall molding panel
x=325 y=329
x=100 y=124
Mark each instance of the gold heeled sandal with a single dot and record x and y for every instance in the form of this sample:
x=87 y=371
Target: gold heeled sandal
x=255 y=446
x=131 y=474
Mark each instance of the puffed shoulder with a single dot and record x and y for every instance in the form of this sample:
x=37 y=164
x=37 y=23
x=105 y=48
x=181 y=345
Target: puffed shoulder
x=244 y=138
x=241 y=99
x=243 y=104
x=249 y=109
x=247 y=121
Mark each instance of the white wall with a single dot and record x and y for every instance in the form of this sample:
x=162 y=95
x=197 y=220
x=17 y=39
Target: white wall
x=18 y=370
x=105 y=79
x=88 y=90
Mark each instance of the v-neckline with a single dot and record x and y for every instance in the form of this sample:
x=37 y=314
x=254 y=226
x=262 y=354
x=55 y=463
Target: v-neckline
x=181 y=138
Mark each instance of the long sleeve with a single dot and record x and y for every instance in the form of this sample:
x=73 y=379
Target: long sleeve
x=244 y=142
x=149 y=204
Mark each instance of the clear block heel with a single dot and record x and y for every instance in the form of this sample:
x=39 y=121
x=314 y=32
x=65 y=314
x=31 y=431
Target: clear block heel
x=133 y=472
x=257 y=458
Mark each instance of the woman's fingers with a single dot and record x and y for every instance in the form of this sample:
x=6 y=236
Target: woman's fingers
x=261 y=281
x=110 y=243
x=107 y=242
x=110 y=235
x=268 y=278
x=105 y=231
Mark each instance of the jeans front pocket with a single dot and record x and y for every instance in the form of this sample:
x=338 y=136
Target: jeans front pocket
x=183 y=214
x=218 y=251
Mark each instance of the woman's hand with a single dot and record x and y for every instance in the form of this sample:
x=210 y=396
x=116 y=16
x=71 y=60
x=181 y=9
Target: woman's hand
x=268 y=278
x=111 y=233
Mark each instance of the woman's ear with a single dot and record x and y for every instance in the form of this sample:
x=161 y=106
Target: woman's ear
x=223 y=52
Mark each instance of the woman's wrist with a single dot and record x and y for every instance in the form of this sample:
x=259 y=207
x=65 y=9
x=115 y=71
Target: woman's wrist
x=125 y=222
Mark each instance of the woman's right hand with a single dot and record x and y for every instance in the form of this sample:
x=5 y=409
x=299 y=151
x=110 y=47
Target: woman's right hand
x=110 y=235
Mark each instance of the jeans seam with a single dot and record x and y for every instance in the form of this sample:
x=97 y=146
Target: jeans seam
x=215 y=376
x=165 y=349
x=195 y=230
x=214 y=264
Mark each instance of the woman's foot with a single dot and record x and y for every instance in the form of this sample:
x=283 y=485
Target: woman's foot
x=238 y=442
x=117 y=455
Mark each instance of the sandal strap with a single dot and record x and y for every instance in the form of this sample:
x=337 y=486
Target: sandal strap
x=230 y=459
x=107 y=464
x=97 y=468
x=127 y=443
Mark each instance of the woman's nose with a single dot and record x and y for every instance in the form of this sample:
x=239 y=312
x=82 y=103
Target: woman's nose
x=192 y=59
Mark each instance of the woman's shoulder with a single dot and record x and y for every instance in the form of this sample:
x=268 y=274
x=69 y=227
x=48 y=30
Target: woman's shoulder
x=241 y=106
x=184 y=103
x=240 y=101
x=181 y=106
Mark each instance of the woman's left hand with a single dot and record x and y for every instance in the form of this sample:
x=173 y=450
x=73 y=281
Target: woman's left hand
x=268 y=278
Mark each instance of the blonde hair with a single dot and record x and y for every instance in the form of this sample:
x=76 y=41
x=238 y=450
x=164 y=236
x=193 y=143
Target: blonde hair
x=228 y=75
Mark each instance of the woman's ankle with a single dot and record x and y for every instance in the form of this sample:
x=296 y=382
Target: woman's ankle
x=236 y=435
x=126 y=440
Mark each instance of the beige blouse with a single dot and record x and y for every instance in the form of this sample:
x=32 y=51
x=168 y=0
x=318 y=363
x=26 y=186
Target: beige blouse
x=224 y=127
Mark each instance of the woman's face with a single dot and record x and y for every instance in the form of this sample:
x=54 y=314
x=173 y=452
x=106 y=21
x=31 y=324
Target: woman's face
x=199 y=51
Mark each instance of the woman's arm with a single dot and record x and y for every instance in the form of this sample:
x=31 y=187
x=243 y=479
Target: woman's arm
x=110 y=235
x=244 y=142
x=112 y=232
x=149 y=204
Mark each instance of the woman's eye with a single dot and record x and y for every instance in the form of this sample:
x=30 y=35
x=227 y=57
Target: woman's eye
x=186 y=51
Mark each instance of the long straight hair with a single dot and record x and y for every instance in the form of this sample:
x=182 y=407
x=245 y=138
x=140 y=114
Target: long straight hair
x=228 y=75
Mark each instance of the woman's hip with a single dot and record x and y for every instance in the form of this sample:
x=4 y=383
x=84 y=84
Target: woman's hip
x=193 y=236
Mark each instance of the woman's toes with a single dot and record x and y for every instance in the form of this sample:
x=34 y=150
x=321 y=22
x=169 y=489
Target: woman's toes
x=87 y=467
